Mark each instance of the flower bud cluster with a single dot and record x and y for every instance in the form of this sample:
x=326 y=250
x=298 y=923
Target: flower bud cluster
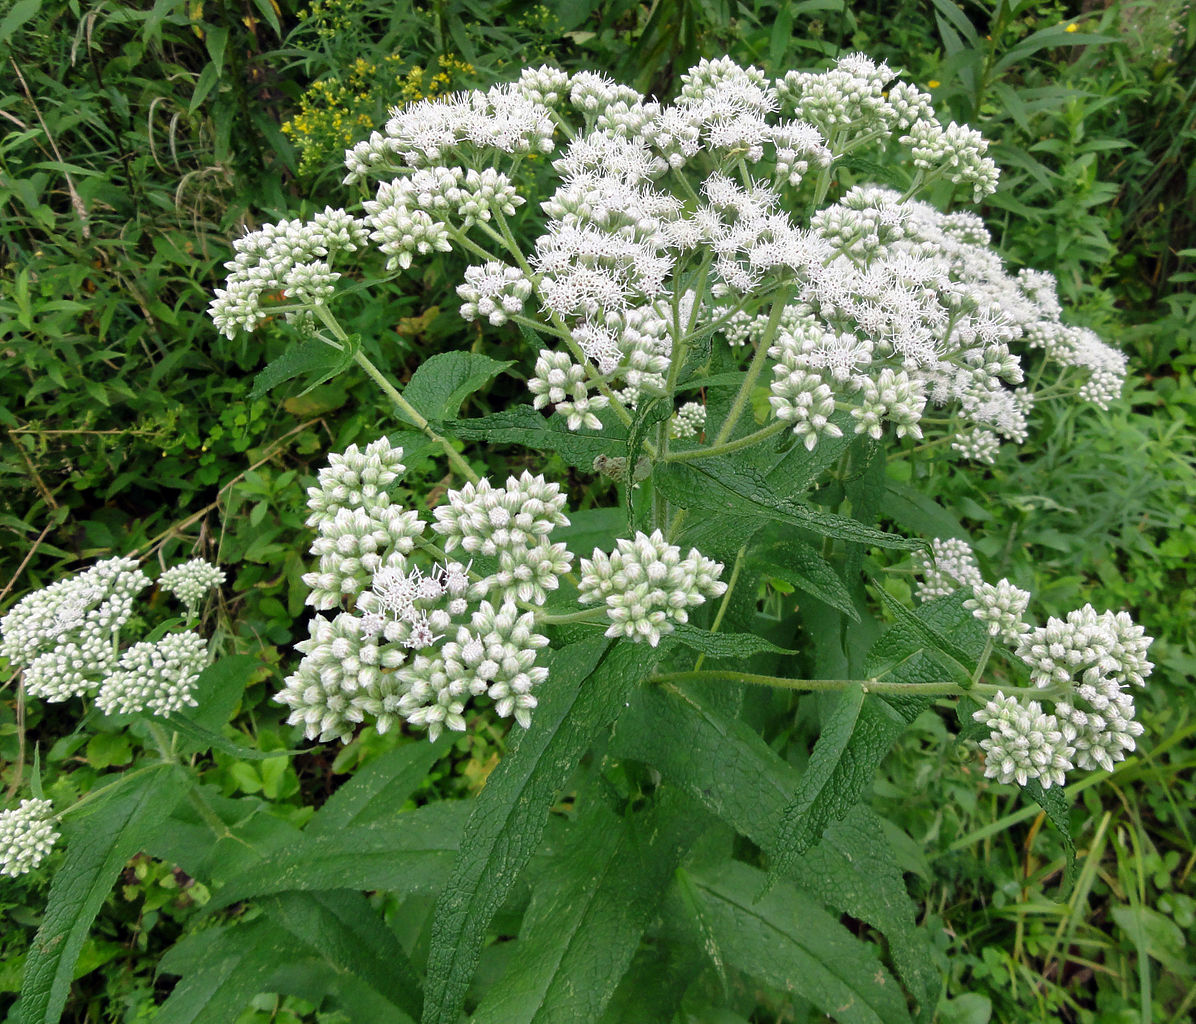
x=190 y=582
x=646 y=586
x=561 y=383
x=1087 y=665
x=27 y=834
x=67 y=635
x=359 y=531
x=494 y=291
x=291 y=259
x=689 y=420
x=951 y=565
x=157 y=677
x=420 y=640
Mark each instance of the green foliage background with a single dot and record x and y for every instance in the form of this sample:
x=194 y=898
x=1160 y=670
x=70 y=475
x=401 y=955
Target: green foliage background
x=139 y=138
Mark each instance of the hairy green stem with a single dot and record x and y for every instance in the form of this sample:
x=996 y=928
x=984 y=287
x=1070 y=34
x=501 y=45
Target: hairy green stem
x=757 y=365
x=692 y=454
x=935 y=689
x=723 y=605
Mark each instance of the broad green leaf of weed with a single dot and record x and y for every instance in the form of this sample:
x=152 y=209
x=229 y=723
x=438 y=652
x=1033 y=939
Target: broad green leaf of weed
x=99 y=840
x=588 y=688
x=787 y=941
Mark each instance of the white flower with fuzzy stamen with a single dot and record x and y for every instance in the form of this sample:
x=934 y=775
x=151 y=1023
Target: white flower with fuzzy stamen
x=27 y=835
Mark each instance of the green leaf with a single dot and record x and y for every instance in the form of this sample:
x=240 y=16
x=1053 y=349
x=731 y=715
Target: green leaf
x=721 y=488
x=18 y=14
x=314 y=360
x=198 y=738
x=1054 y=802
x=796 y=562
x=222 y=969
x=526 y=427
x=724 y=645
x=925 y=634
x=588 y=912
x=351 y=937
x=788 y=941
x=411 y=852
x=831 y=784
x=588 y=687
x=218 y=692
x=443 y=382
x=652 y=413
x=99 y=839
x=378 y=790
x=716 y=760
x=920 y=513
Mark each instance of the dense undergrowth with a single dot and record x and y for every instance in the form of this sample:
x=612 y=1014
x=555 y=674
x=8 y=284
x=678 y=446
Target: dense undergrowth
x=139 y=138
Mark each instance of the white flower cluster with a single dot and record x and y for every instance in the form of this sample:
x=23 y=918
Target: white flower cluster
x=359 y=531
x=291 y=259
x=646 y=586
x=190 y=582
x=1086 y=665
x=494 y=291
x=689 y=420
x=27 y=834
x=67 y=635
x=157 y=677
x=561 y=383
x=423 y=636
x=950 y=565
x=412 y=215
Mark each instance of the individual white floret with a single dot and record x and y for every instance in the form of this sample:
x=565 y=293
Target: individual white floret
x=950 y=565
x=1001 y=608
x=191 y=581
x=646 y=586
x=157 y=677
x=27 y=835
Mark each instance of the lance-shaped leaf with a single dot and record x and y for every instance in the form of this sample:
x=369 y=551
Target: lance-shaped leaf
x=1055 y=803
x=796 y=562
x=721 y=487
x=314 y=360
x=526 y=427
x=409 y=853
x=786 y=940
x=588 y=913
x=578 y=703
x=99 y=840
x=727 y=767
x=724 y=645
x=378 y=790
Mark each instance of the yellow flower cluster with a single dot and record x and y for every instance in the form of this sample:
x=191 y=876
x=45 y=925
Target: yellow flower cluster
x=341 y=110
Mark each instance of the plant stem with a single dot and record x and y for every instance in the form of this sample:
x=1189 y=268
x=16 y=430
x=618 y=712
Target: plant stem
x=762 y=347
x=406 y=408
x=935 y=689
x=730 y=446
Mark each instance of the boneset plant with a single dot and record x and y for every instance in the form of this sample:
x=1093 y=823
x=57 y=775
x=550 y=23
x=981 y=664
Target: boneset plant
x=738 y=337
